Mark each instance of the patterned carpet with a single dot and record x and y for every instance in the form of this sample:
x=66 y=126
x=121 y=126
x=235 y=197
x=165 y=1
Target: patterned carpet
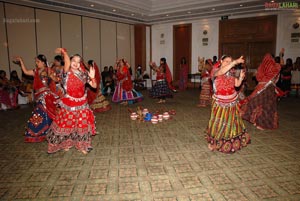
x=168 y=161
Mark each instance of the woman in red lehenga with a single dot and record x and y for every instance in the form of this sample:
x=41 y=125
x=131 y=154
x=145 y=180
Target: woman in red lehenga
x=125 y=93
x=226 y=129
x=74 y=123
x=96 y=99
x=184 y=70
x=45 y=108
x=160 y=90
x=260 y=107
x=7 y=92
x=206 y=85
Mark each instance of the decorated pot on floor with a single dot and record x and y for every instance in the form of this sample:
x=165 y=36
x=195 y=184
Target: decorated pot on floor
x=133 y=116
x=172 y=112
x=166 y=116
x=154 y=120
x=160 y=117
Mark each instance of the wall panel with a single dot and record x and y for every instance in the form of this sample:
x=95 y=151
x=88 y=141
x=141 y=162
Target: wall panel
x=21 y=34
x=132 y=57
x=91 y=39
x=71 y=35
x=4 y=63
x=48 y=33
x=108 y=43
x=123 y=41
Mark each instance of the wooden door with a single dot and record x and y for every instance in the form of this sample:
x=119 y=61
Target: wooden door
x=182 y=37
x=251 y=37
x=257 y=51
x=235 y=50
x=140 y=47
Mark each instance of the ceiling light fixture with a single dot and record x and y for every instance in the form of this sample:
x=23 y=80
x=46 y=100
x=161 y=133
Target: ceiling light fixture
x=189 y=12
x=167 y=15
x=213 y=9
x=132 y=14
x=114 y=10
x=92 y=5
x=241 y=5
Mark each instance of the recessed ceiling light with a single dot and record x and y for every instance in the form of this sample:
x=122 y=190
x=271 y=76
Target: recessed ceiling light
x=132 y=14
x=241 y=5
x=213 y=9
x=272 y=1
x=167 y=15
x=114 y=10
x=189 y=12
x=92 y=5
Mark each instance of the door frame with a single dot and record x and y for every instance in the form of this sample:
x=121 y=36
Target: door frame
x=189 y=58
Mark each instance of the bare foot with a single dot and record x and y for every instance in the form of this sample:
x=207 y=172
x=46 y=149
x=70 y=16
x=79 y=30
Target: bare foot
x=84 y=152
x=124 y=103
x=211 y=147
x=260 y=128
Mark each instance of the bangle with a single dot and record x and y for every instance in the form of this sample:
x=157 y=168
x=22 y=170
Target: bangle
x=63 y=50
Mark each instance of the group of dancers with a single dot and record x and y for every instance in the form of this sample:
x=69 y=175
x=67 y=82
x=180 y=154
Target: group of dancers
x=68 y=93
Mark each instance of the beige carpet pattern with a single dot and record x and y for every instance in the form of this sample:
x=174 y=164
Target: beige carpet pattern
x=169 y=161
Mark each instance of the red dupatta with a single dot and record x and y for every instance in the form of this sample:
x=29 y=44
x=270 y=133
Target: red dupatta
x=267 y=73
x=268 y=69
x=92 y=93
x=169 y=77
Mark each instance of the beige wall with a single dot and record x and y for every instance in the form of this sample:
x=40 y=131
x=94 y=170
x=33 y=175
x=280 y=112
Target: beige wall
x=132 y=59
x=32 y=31
x=21 y=34
x=71 y=36
x=48 y=33
x=123 y=41
x=4 y=64
x=91 y=39
x=108 y=43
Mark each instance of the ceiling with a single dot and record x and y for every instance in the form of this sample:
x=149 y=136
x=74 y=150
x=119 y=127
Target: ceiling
x=151 y=11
